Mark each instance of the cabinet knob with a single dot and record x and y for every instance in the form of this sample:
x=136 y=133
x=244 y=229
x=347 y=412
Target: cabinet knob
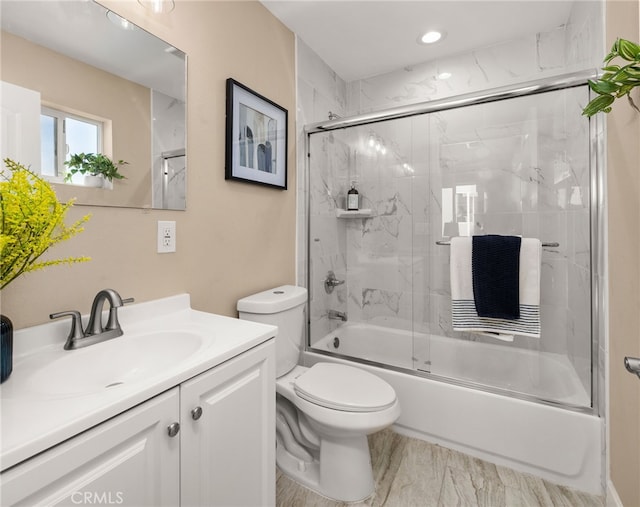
x=173 y=429
x=196 y=413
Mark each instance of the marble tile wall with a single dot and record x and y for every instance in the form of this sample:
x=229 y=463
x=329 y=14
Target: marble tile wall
x=584 y=35
x=319 y=90
x=379 y=256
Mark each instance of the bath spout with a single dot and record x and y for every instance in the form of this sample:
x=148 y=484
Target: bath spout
x=336 y=315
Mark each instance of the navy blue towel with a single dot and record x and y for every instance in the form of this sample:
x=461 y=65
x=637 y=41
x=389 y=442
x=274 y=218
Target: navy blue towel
x=495 y=268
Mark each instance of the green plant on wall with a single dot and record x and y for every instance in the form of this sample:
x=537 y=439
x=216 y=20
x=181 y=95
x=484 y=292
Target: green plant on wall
x=94 y=164
x=32 y=221
x=616 y=81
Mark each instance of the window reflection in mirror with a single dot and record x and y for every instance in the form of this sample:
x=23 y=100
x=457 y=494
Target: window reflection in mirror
x=63 y=134
x=87 y=84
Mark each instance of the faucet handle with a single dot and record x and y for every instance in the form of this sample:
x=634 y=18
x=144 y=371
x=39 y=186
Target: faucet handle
x=112 y=322
x=76 y=332
x=331 y=282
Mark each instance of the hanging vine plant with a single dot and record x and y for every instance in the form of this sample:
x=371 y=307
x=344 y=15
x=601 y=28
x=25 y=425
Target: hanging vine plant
x=616 y=81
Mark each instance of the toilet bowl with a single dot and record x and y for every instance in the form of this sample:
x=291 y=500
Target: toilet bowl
x=341 y=468
x=325 y=412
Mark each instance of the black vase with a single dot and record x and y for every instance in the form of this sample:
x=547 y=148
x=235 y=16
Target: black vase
x=6 y=349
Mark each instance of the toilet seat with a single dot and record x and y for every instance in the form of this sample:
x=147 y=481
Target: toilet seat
x=345 y=388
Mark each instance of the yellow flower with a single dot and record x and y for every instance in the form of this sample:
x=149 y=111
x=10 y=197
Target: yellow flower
x=32 y=220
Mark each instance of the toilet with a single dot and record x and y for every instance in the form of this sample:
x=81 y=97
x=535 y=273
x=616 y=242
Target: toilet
x=325 y=412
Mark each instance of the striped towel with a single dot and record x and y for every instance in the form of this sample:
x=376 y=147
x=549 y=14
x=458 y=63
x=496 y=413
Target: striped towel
x=464 y=316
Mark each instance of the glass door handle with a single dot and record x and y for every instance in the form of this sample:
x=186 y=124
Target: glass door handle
x=632 y=364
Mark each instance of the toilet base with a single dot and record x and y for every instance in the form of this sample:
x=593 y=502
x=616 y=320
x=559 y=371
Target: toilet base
x=343 y=471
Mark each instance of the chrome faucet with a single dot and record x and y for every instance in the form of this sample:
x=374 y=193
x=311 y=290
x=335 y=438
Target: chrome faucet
x=95 y=331
x=336 y=315
x=95 y=319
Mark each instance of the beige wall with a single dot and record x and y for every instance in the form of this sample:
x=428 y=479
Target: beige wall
x=234 y=238
x=623 y=180
x=74 y=86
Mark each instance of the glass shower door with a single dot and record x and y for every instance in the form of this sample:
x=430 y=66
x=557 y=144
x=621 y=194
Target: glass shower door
x=517 y=167
x=520 y=167
x=380 y=251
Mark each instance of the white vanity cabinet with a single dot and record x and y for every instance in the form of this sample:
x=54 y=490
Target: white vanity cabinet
x=222 y=455
x=128 y=460
x=228 y=433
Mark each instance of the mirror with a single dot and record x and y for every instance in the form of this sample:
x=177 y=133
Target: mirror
x=83 y=63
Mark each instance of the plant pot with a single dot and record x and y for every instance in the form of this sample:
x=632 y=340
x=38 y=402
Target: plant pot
x=91 y=180
x=6 y=348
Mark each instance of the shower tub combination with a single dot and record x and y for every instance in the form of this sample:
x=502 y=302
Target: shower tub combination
x=497 y=164
x=560 y=445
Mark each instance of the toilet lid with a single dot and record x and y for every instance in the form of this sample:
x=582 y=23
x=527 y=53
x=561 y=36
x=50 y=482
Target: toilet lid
x=342 y=387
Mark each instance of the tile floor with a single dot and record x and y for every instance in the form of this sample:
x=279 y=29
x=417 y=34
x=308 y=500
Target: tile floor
x=410 y=472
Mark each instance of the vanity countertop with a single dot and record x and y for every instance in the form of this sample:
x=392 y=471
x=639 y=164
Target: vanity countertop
x=33 y=417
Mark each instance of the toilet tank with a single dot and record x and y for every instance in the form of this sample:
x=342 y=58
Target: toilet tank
x=282 y=307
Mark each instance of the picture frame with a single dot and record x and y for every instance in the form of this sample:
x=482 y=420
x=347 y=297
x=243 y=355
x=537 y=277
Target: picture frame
x=256 y=138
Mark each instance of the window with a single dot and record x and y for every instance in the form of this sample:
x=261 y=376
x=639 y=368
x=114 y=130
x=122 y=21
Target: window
x=62 y=134
x=458 y=210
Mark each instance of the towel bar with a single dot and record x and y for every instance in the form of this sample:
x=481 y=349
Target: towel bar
x=548 y=245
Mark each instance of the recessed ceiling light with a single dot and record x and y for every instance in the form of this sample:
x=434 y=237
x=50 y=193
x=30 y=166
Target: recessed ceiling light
x=430 y=37
x=444 y=75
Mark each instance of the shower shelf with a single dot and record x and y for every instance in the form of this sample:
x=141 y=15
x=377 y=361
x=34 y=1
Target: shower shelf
x=361 y=213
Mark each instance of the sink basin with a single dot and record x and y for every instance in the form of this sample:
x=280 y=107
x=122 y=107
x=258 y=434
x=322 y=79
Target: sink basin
x=113 y=363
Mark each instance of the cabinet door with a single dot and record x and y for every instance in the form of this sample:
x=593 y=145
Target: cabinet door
x=128 y=460
x=228 y=453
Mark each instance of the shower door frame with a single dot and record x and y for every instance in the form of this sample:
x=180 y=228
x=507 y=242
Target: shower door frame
x=596 y=213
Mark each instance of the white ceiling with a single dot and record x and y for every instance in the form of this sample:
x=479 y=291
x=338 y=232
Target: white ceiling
x=364 y=38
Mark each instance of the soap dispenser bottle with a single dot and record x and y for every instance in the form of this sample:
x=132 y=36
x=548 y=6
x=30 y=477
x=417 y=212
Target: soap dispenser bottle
x=352 y=198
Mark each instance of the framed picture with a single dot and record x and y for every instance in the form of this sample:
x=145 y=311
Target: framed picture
x=256 y=138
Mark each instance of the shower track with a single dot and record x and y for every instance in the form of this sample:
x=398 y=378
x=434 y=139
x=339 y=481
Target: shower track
x=468 y=99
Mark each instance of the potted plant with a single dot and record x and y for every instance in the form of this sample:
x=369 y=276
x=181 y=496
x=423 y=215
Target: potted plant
x=96 y=168
x=31 y=221
x=617 y=81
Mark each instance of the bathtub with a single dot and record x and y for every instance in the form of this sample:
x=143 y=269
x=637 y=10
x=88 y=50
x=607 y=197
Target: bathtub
x=560 y=445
